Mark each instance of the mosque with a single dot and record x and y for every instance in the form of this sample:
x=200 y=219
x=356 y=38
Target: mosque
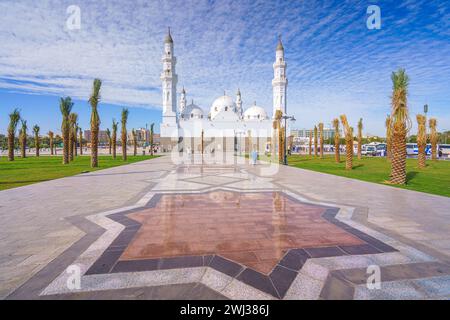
x=226 y=127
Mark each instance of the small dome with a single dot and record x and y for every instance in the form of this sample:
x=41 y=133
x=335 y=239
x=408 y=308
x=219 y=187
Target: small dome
x=255 y=113
x=192 y=111
x=223 y=103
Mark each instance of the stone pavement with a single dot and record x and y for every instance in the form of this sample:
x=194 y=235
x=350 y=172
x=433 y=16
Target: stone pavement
x=306 y=235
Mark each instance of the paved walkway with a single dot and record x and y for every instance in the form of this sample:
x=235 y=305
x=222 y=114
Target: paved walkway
x=102 y=222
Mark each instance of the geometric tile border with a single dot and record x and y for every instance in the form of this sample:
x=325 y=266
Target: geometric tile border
x=276 y=283
x=310 y=280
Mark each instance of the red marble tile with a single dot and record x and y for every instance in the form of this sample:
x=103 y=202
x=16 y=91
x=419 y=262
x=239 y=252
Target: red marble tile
x=253 y=229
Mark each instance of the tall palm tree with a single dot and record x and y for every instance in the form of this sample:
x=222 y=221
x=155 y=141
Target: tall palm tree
x=14 y=118
x=23 y=138
x=124 y=120
x=348 y=132
x=360 y=128
x=73 y=117
x=400 y=124
x=36 y=130
x=108 y=134
x=114 y=138
x=321 y=139
x=133 y=133
x=151 y=138
x=81 y=141
x=315 y=141
x=310 y=142
x=433 y=137
x=337 y=139
x=51 y=136
x=388 y=137
x=95 y=121
x=65 y=105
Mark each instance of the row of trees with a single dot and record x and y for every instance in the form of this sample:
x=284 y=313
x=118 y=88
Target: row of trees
x=397 y=124
x=71 y=132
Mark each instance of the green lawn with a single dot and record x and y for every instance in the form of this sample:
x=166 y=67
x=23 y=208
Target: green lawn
x=30 y=170
x=435 y=178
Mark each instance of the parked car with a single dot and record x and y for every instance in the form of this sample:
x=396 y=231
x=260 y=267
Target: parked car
x=370 y=151
x=381 y=150
x=444 y=150
x=412 y=149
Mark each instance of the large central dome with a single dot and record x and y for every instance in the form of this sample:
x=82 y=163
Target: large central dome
x=223 y=105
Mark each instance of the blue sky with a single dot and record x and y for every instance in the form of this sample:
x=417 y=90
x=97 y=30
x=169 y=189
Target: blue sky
x=335 y=64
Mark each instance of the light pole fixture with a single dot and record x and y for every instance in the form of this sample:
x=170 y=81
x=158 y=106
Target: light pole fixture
x=292 y=118
x=425 y=109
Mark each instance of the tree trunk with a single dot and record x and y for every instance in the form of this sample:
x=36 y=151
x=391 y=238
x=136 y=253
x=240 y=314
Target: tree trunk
x=359 y=147
x=349 y=154
x=110 y=146
x=315 y=144
x=51 y=146
x=36 y=142
x=321 y=146
x=75 y=143
x=135 y=148
x=114 y=146
x=124 y=146
x=94 y=146
x=310 y=144
x=70 y=144
x=24 y=145
x=433 y=149
x=11 y=146
x=66 y=146
x=337 y=155
x=398 y=155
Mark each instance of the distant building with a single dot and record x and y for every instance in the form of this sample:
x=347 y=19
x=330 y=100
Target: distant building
x=102 y=136
x=303 y=134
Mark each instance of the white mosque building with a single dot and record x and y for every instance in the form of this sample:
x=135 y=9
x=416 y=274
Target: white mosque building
x=226 y=126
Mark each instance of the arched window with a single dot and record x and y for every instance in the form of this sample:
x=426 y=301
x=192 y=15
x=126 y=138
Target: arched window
x=226 y=108
x=192 y=115
x=259 y=116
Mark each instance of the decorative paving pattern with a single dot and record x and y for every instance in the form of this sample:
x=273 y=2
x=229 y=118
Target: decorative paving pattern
x=262 y=239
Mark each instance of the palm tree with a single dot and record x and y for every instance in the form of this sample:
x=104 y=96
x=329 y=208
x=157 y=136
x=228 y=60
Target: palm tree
x=114 y=138
x=14 y=118
x=400 y=124
x=337 y=139
x=315 y=141
x=125 y=113
x=36 y=130
x=133 y=133
x=321 y=139
x=433 y=137
x=75 y=142
x=65 y=105
x=95 y=121
x=151 y=138
x=388 y=137
x=108 y=134
x=81 y=141
x=348 y=132
x=51 y=136
x=73 y=117
x=23 y=138
x=360 y=128
x=310 y=142
x=421 y=139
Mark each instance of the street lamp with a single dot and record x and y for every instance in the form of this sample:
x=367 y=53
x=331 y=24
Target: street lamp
x=292 y=118
x=425 y=109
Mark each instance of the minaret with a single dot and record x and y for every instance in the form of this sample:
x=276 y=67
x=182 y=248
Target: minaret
x=169 y=82
x=183 y=101
x=279 y=82
x=239 y=103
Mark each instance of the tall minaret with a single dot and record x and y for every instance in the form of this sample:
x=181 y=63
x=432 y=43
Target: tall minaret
x=239 y=103
x=279 y=82
x=183 y=101
x=169 y=82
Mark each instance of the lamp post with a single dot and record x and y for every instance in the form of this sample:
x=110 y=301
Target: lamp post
x=425 y=109
x=292 y=118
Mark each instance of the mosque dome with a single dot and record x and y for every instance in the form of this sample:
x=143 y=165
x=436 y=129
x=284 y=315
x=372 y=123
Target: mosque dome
x=192 y=111
x=223 y=104
x=255 y=113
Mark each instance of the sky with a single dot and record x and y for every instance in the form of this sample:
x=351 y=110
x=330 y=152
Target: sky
x=335 y=63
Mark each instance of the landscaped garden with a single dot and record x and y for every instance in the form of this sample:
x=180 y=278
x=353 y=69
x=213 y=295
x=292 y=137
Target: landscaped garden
x=434 y=178
x=24 y=171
